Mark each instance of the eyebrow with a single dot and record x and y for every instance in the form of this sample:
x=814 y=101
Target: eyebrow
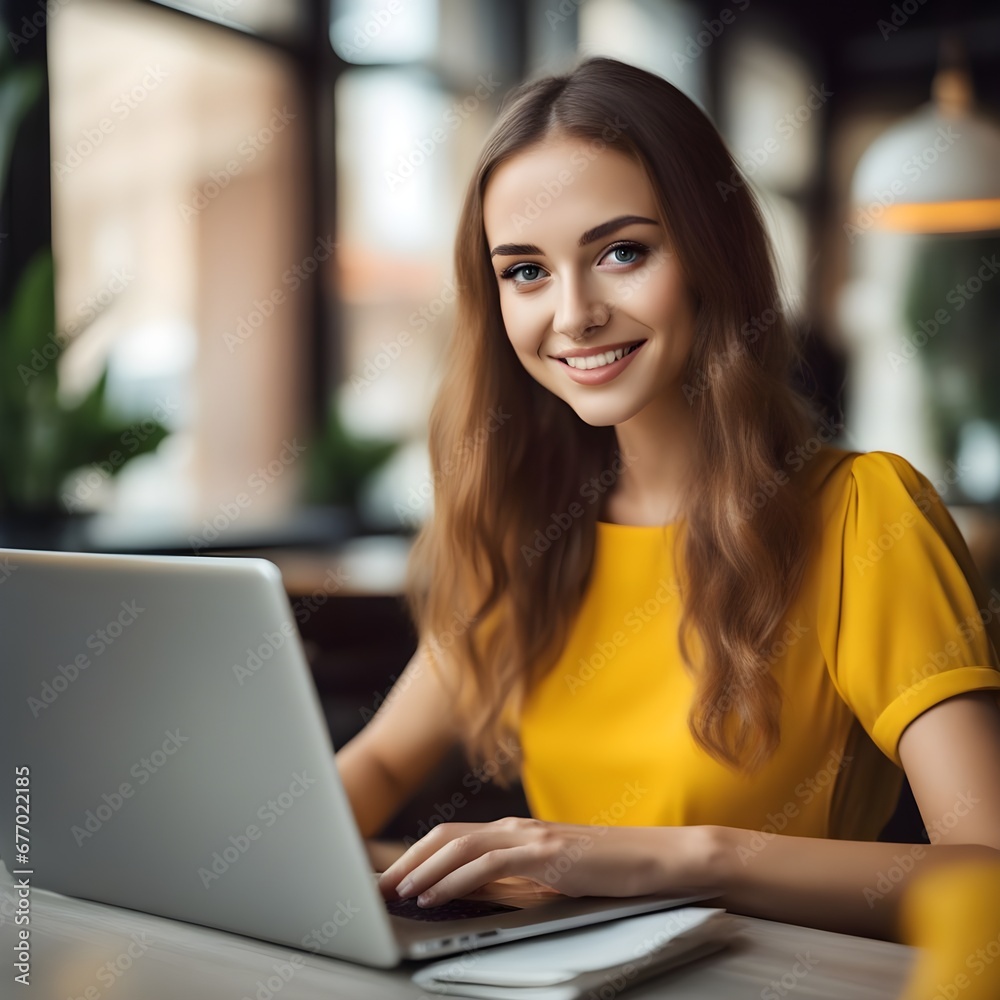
x=590 y=236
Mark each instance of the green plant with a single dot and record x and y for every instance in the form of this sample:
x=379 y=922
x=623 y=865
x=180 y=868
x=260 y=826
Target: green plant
x=43 y=439
x=340 y=463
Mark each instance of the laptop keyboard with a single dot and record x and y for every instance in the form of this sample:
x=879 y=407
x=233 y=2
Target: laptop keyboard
x=454 y=909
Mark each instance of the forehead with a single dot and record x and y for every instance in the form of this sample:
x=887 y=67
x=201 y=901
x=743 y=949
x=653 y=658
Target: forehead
x=563 y=186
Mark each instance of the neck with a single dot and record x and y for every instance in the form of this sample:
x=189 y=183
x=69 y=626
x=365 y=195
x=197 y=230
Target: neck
x=656 y=449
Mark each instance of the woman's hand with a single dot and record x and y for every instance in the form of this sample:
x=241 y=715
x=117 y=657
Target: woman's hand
x=456 y=858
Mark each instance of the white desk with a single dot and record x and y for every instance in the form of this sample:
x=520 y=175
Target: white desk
x=72 y=941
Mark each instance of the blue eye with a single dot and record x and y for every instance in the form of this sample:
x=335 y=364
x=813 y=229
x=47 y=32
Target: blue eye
x=517 y=273
x=637 y=250
x=529 y=274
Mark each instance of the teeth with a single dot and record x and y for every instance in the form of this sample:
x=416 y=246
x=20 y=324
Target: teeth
x=599 y=360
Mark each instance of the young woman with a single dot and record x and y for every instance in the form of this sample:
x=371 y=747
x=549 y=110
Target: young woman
x=712 y=638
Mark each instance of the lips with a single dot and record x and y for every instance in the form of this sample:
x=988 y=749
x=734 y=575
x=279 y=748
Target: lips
x=601 y=373
x=583 y=359
x=597 y=351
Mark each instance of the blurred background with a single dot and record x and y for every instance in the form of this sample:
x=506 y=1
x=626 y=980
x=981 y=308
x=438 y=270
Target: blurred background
x=226 y=278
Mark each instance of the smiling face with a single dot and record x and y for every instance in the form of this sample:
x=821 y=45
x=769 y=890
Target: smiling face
x=589 y=273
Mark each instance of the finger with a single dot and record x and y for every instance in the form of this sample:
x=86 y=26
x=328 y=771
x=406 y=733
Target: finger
x=420 y=851
x=493 y=864
x=454 y=854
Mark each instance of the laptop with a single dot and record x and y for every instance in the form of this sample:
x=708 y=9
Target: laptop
x=178 y=762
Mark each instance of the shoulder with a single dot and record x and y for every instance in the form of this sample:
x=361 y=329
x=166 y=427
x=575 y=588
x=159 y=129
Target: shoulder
x=877 y=508
x=883 y=481
x=868 y=503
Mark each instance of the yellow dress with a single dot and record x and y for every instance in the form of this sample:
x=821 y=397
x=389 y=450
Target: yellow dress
x=892 y=618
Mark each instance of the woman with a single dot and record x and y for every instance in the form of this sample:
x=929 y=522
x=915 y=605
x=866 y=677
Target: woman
x=715 y=638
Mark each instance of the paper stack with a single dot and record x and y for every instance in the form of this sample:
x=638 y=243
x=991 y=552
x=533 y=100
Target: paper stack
x=565 y=965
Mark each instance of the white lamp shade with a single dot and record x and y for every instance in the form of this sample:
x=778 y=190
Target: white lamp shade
x=929 y=157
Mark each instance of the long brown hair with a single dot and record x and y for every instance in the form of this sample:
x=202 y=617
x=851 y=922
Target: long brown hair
x=508 y=457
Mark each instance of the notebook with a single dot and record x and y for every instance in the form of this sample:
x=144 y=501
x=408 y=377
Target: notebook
x=180 y=764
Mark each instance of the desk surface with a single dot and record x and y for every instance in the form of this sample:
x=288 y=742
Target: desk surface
x=79 y=945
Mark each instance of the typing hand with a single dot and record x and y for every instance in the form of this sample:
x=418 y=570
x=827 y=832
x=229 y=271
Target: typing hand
x=454 y=859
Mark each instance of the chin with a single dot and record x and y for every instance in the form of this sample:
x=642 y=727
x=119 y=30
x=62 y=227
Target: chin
x=596 y=413
x=599 y=416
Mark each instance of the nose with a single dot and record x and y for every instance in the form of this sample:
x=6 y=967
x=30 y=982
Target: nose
x=578 y=313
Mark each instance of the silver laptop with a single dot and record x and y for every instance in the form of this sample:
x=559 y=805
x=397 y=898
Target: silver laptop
x=178 y=763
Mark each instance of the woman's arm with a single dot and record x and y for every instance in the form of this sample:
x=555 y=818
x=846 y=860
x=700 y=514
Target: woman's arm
x=409 y=735
x=951 y=754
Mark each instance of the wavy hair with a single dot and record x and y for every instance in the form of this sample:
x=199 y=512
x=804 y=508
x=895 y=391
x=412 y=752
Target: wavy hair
x=506 y=454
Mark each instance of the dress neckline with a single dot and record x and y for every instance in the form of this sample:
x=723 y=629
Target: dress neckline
x=637 y=527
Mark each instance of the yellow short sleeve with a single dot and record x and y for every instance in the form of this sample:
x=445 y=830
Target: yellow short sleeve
x=914 y=625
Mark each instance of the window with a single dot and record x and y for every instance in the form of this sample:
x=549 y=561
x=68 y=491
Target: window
x=183 y=241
